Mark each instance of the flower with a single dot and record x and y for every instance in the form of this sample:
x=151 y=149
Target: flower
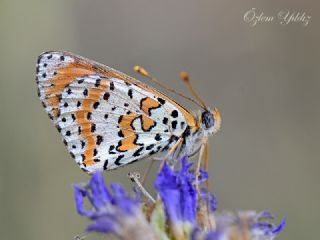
x=242 y=225
x=113 y=213
x=180 y=212
x=178 y=196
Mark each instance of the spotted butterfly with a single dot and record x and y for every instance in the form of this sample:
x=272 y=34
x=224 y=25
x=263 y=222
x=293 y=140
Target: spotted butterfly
x=108 y=119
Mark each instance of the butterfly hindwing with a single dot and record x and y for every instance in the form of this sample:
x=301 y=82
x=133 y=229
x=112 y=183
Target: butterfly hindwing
x=106 y=118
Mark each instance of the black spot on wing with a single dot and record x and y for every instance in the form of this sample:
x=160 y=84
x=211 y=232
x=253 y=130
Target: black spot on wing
x=111 y=148
x=130 y=93
x=174 y=114
x=82 y=144
x=96 y=105
x=105 y=165
x=95 y=152
x=120 y=134
x=165 y=120
x=99 y=139
x=158 y=137
x=93 y=127
x=138 y=152
x=106 y=96
x=117 y=161
x=161 y=101
x=98 y=82
x=69 y=91
x=150 y=147
x=174 y=124
x=111 y=86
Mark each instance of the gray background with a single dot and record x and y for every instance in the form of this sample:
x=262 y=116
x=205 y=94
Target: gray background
x=264 y=80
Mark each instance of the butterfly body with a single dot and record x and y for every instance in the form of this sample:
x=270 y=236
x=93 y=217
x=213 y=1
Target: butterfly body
x=108 y=119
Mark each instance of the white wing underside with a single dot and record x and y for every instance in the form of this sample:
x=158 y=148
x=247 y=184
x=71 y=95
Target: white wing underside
x=123 y=100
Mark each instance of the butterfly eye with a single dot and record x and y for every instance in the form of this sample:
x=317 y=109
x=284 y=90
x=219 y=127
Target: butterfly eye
x=207 y=119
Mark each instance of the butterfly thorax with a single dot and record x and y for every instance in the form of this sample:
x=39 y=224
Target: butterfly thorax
x=208 y=123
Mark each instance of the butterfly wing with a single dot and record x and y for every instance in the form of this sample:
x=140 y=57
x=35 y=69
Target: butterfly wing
x=107 y=119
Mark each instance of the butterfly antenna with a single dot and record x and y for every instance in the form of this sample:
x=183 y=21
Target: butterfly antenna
x=144 y=73
x=184 y=76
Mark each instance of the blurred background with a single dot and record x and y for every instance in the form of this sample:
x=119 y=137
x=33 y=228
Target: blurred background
x=263 y=79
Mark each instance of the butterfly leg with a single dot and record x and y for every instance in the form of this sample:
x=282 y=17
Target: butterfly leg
x=205 y=165
x=147 y=171
x=171 y=151
x=202 y=152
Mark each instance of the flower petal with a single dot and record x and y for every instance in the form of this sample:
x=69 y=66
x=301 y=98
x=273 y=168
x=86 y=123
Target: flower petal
x=99 y=194
x=280 y=227
x=80 y=194
x=104 y=225
x=177 y=193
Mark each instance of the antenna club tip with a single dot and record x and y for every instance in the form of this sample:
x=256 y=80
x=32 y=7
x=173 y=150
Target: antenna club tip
x=184 y=76
x=141 y=70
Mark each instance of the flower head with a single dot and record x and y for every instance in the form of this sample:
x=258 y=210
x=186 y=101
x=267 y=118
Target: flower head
x=242 y=225
x=113 y=212
x=178 y=194
x=180 y=213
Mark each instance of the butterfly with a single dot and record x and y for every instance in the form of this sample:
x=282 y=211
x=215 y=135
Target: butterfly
x=108 y=119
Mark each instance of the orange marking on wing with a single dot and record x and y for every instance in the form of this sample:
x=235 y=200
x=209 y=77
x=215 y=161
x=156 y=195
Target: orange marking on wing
x=147 y=104
x=65 y=76
x=127 y=143
x=93 y=96
x=113 y=75
x=53 y=101
x=86 y=129
x=146 y=123
x=190 y=119
x=89 y=151
x=80 y=115
x=95 y=68
x=55 y=112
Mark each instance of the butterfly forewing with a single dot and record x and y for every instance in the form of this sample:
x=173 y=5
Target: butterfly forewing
x=107 y=119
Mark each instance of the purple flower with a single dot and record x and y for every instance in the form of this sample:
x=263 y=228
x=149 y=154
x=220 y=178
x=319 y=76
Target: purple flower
x=242 y=225
x=180 y=198
x=178 y=194
x=113 y=212
x=263 y=226
x=180 y=213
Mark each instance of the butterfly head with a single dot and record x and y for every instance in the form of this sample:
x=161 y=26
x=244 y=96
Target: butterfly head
x=210 y=121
